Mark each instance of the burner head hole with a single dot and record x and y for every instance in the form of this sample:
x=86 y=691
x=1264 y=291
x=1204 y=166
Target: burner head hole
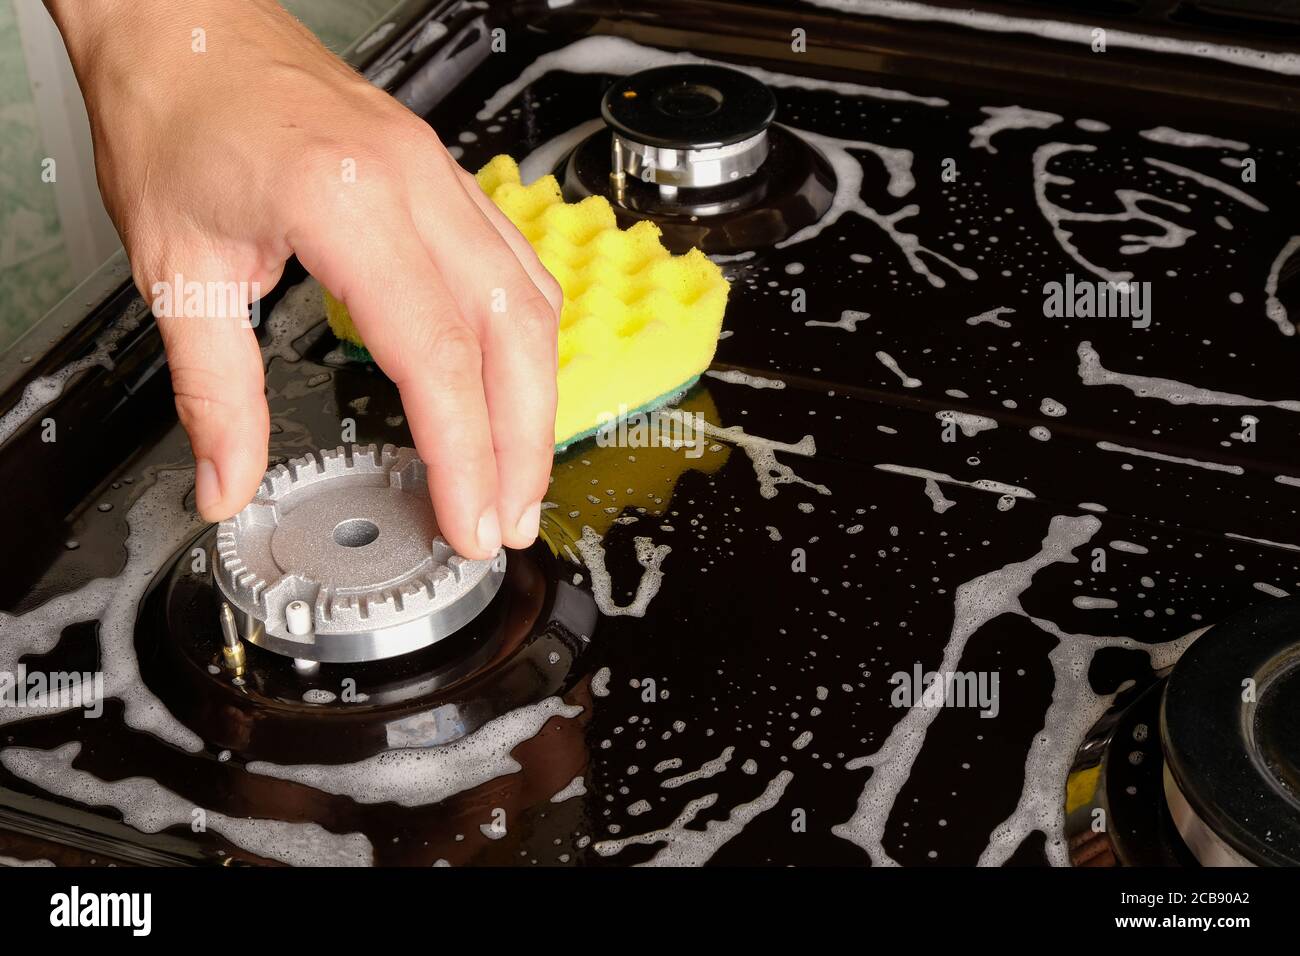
x=355 y=532
x=688 y=100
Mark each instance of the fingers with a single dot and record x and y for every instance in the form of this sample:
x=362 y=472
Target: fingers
x=523 y=251
x=412 y=326
x=518 y=327
x=216 y=372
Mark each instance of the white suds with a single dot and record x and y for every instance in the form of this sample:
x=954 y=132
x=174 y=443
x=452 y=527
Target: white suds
x=1174 y=137
x=710 y=768
x=1172 y=459
x=600 y=682
x=1273 y=306
x=576 y=787
x=848 y=321
x=1270 y=590
x=991 y=317
x=976 y=602
x=935 y=494
x=970 y=425
x=648 y=555
x=150 y=808
x=1086 y=603
x=762 y=455
x=1080 y=34
x=848 y=198
x=618 y=57
x=1129 y=547
x=1075 y=708
x=1091 y=372
x=1209 y=182
x=888 y=362
x=543 y=160
x=41 y=391
x=1052 y=408
x=416 y=776
x=693 y=847
x=1264 y=541
x=1171 y=234
x=980 y=484
x=745 y=378
x=157 y=525
x=1008 y=117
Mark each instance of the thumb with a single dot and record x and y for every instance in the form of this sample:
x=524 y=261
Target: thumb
x=216 y=371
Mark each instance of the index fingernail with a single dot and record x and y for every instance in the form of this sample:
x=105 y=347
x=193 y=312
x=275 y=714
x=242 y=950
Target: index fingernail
x=529 y=521
x=489 y=531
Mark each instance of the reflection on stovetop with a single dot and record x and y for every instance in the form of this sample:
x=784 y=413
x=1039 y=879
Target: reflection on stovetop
x=915 y=465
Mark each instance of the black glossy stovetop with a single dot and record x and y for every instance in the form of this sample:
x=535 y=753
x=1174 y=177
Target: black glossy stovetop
x=914 y=465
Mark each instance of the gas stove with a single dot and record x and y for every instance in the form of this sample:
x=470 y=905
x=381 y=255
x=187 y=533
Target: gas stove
x=985 y=557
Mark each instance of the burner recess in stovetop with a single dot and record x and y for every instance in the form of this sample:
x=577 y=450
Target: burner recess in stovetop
x=1201 y=765
x=693 y=148
x=523 y=647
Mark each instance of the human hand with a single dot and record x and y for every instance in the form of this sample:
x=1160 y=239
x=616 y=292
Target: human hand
x=217 y=164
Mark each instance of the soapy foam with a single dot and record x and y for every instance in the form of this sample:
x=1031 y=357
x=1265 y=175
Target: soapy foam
x=975 y=603
x=577 y=787
x=546 y=157
x=1086 y=602
x=1074 y=709
x=935 y=494
x=648 y=556
x=888 y=362
x=619 y=57
x=1175 y=137
x=1008 y=117
x=692 y=847
x=980 y=484
x=157 y=525
x=991 y=317
x=848 y=198
x=151 y=808
x=1273 y=306
x=1209 y=182
x=762 y=454
x=744 y=378
x=1129 y=547
x=1091 y=372
x=969 y=424
x=41 y=391
x=417 y=776
x=1172 y=235
x=1172 y=459
x=1066 y=32
x=848 y=321
x=710 y=768
x=1264 y=541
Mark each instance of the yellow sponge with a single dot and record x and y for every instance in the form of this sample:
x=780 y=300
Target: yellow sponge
x=638 y=326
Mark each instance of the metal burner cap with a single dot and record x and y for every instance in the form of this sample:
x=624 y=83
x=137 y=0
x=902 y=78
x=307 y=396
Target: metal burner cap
x=338 y=559
x=688 y=126
x=1232 y=753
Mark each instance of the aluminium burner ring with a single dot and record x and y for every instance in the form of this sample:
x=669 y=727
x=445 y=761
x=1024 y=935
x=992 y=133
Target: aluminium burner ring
x=688 y=126
x=1232 y=756
x=338 y=559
